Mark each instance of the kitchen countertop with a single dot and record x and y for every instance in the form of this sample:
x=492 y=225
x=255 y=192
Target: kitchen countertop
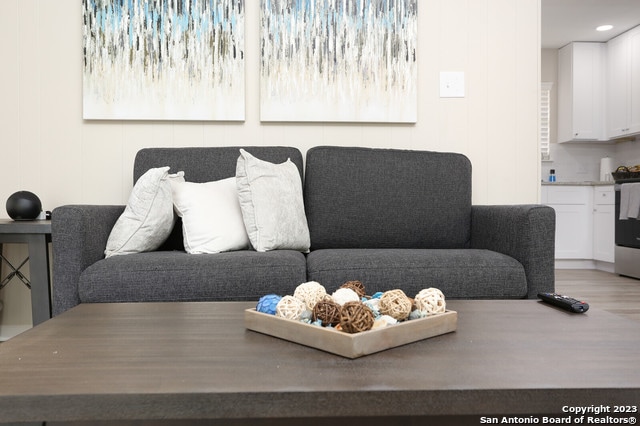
x=582 y=183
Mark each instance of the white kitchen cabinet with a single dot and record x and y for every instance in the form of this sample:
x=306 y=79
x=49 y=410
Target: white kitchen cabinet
x=581 y=92
x=604 y=223
x=623 y=84
x=574 y=219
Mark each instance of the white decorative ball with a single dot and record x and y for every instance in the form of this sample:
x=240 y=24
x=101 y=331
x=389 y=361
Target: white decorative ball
x=290 y=307
x=430 y=301
x=344 y=295
x=310 y=293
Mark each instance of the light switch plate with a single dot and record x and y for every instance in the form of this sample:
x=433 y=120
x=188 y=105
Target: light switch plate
x=451 y=84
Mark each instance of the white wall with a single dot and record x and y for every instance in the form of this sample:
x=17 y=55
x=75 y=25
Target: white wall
x=47 y=148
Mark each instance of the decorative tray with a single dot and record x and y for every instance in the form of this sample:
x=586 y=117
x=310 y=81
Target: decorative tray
x=351 y=345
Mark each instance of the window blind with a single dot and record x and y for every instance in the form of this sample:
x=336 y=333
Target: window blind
x=545 y=120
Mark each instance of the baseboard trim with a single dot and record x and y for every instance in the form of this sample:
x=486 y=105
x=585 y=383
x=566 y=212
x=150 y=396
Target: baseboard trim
x=8 y=331
x=585 y=264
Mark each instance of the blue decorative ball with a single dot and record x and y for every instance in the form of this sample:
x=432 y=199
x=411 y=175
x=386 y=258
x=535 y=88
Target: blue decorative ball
x=267 y=304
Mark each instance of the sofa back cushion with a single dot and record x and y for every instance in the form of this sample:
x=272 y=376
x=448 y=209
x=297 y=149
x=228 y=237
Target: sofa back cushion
x=384 y=198
x=206 y=164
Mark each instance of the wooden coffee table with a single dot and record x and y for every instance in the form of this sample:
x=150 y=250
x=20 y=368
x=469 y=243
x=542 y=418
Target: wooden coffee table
x=164 y=361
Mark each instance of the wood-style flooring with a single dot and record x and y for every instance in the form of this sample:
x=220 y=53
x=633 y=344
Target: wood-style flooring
x=601 y=290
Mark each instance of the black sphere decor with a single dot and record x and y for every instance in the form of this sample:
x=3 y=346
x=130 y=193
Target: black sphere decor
x=24 y=205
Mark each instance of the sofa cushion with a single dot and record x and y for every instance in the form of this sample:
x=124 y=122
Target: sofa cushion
x=272 y=205
x=211 y=216
x=178 y=276
x=459 y=273
x=206 y=164
x=383 y=198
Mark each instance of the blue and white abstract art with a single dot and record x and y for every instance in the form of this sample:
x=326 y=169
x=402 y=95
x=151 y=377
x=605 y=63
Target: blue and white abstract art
x=163 y=59
x=338 y=60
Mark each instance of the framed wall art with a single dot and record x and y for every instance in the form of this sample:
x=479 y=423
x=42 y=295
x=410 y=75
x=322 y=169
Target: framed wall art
x=338 y=60
x=163 y=60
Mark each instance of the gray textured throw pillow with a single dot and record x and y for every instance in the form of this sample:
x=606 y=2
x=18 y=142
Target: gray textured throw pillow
x=272 y=205
x=148 y=217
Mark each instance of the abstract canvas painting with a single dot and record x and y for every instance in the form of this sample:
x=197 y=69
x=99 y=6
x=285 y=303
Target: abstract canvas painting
x=163 y=59
x=338 y=60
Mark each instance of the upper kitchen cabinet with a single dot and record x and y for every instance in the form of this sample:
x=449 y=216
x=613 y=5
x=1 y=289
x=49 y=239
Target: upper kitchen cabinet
x=623 y=84
x=581 y=92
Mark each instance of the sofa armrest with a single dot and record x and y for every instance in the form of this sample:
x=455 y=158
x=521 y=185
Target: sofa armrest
x=79 y=236
x=524 y=232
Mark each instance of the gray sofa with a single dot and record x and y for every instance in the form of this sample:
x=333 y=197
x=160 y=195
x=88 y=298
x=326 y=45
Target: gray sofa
x=389 y=218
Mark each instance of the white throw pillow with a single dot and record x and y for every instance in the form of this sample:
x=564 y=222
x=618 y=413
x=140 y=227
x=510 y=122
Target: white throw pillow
x=272 y=204
x=148 y=217
x=211 y=216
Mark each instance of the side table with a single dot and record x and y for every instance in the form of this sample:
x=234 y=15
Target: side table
x=37 y=234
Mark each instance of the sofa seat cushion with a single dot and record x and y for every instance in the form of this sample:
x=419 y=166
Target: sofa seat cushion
x=178 y=276
x=459 y=273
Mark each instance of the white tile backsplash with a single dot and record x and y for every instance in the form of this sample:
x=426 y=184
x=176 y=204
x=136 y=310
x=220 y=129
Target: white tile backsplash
x=577 y=162
x=628 y=152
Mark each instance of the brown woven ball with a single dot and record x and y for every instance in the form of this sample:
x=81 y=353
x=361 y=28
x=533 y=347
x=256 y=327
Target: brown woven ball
x=396 y=304
x=327 y=311
x=356 y=286
x=356 y=317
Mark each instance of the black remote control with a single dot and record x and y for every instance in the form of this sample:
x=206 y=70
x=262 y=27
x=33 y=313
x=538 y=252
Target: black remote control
x=564 y=302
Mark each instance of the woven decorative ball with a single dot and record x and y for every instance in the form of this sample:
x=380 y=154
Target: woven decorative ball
x=413 y=304
x=310 y=293
x=290 y=307
x=327 y=311
x=431 y=301
x=396 y=304
x=355 y=317
x=356 y=286
x=344 y=295
x=267 y=304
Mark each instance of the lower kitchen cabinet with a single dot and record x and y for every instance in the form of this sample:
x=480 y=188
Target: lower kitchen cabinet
x=574 y=220
x=604 y=211
x=585 y=221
